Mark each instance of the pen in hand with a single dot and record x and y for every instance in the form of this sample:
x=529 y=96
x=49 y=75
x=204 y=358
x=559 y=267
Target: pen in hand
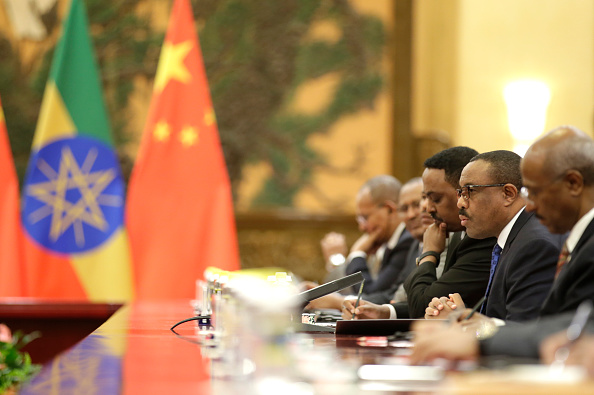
x=358 y=297
x=475 y=308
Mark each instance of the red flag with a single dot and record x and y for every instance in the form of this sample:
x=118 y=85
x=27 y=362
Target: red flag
x=179 y=208
x=11 y=236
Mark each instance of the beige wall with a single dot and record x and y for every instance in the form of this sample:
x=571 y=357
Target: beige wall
x=493 y=43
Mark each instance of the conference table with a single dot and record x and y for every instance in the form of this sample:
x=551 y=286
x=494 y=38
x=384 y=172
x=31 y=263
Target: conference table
x=135 y=352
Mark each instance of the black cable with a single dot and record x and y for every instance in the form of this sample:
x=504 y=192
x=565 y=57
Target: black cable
x=187 y=320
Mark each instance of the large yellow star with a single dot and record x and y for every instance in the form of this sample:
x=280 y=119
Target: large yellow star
x=171 y=64
x=188 y=136
x=161 y=131
x=66 y=213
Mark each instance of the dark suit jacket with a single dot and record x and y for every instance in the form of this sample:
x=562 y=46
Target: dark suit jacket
x=575 y=282
x=466 y=271
x=393 y=262
x=410 y=265
x=525 y=271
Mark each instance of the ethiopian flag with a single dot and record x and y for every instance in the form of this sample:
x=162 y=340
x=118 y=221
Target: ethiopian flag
x=76 y=245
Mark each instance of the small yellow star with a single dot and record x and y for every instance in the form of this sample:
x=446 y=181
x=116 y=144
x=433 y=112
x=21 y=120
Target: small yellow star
x=161 y=131
x=188 y=136
x=171 y=64
x=209 y=117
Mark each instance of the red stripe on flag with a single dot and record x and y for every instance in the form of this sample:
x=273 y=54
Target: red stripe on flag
x=11 y=258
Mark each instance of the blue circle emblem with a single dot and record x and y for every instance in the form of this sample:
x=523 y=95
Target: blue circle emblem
x=73 y=195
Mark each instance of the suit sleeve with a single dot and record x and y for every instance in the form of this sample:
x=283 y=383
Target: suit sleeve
x=530 y=276
x=523 y=340
x=468 y=276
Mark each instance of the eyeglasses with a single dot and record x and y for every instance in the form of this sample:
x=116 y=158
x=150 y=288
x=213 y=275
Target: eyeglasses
x=465 y=190
x=362 y=219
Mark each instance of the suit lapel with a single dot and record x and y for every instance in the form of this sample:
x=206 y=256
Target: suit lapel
x=587 y=235
x=520 y=222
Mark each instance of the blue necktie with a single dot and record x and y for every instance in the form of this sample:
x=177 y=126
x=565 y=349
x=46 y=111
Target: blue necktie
x=494 y=261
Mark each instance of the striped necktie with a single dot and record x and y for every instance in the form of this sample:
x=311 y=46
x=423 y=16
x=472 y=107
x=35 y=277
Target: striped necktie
x=563 y=259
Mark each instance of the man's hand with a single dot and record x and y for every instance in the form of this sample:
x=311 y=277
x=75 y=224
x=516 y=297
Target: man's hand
x=434 y=238
x=365 y=310
x=441 y=308
x=434 y=340
x=580 y=353
x=367 y=243
x=333 y=243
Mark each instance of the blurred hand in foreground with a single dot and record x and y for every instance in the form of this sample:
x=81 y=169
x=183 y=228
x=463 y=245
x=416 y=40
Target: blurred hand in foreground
x=433 y=340
x=580 y=353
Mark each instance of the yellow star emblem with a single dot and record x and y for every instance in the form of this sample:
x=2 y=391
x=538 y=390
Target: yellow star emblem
x=75 y=181
x=188 y=136
x=1 y=115
x=162 y=131
x=171 y=64
x=209 y=117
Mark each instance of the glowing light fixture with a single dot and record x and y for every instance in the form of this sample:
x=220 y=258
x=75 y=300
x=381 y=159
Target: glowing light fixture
x=527 y=102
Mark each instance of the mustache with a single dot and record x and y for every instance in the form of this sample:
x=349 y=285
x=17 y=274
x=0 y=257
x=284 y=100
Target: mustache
x=436 y=217
x=463 y=212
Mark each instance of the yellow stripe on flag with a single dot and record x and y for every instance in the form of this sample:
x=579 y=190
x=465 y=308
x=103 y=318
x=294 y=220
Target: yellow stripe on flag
x=54 y=120
x=110 y=331
x=105 y=273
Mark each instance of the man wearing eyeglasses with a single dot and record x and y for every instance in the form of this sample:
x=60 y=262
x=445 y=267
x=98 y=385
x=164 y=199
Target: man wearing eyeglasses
x=385 y=239
x=524 y=259
x=558 y=174
x=467 y=262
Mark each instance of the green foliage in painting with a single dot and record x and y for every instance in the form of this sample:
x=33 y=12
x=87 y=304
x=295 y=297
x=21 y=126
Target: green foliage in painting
x=257 y=53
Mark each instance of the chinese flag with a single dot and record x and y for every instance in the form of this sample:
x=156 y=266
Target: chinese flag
x=11 y=269
x=179 y=208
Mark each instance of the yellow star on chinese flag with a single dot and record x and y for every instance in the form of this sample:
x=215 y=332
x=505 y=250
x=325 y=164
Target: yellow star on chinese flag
x=161 y=131
x=188 y=136
x=1 y=116
x=209 y=117
x=171 y=64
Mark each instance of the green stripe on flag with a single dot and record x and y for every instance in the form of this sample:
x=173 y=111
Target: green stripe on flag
x=74 y=72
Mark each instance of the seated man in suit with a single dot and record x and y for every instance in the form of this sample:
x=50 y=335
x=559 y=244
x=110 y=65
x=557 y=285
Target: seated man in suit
x=380 y=253
x=468 y=260
x=525 y=257
x=417 y=220
x=385 y=237
x=558 y=176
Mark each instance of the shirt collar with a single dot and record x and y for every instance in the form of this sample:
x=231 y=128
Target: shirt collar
x=578 y=230
x=396 y=236
x=504 y=234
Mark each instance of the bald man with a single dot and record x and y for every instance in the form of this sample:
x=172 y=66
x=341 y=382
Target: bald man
x=558 y=177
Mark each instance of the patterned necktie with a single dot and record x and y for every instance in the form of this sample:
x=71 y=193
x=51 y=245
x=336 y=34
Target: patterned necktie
x=563 y=258
x=494 y=261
